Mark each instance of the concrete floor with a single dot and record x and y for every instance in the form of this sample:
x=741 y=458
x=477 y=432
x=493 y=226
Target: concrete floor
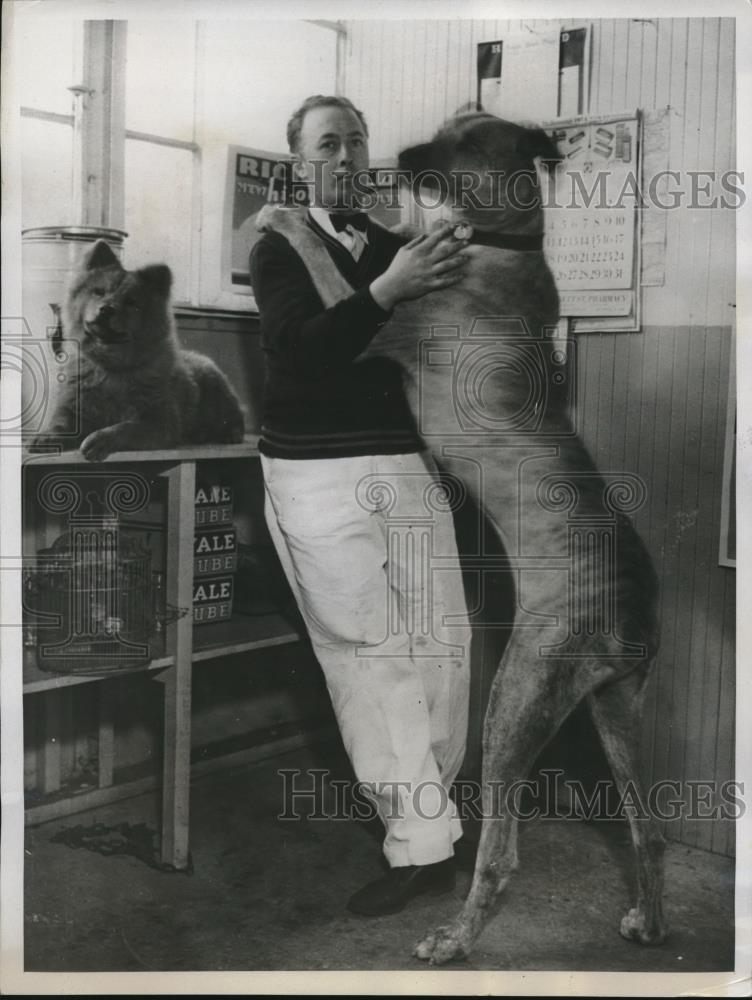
x=269 y=894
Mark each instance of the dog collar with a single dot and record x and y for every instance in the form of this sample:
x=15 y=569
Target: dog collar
x=502 y=241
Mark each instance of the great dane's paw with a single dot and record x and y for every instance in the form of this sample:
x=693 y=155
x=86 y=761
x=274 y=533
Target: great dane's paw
x=443 y=945
x=99 y=444
x=636 y=927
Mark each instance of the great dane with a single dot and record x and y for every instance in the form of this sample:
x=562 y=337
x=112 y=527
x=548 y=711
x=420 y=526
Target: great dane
x=483 y=376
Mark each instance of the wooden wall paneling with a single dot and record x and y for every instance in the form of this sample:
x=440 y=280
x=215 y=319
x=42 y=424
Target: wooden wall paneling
x=359 y=77
x=398 y=96
x=620 y=409
x=411 y=72
x=476 y=37
x=620 y=79
x=662 y=305
x=690 y=627
x=702 y=107
x=432 y=97
x=704 y=678
x=588 y=357
x=381 y=65
x=602 y=42
x=443 y=76
x=633 y=406
x=391 y=94
x=466 y=70
x=720 y=284
x=658 y=475
x=673 y=311
x=635 y=31
x=717 y=729
x=646 y=97
x=724 y=832
x=674 y=625
x=602 y=395
x=663 y=61
x=419 y=117
x=645 y=430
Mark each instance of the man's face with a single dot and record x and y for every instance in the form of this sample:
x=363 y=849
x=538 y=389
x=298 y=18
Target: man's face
x=336 y=137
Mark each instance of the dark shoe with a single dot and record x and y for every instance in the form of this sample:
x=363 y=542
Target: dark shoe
x=392 y=893
x=465 y=852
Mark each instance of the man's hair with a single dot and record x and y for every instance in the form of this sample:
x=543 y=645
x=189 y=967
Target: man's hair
x=318 y=101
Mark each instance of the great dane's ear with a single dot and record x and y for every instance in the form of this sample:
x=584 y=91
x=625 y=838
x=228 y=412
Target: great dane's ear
x=470 y=107
x=535 y=143
x=416 y=158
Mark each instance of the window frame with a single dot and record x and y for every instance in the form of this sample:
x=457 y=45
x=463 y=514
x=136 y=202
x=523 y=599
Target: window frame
x=99 y=138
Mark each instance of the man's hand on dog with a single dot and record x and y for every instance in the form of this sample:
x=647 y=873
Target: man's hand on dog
x=425 y=264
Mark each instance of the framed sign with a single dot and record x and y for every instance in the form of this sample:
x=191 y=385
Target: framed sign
x=535 y=73
x=591 y=216
x=254 y=178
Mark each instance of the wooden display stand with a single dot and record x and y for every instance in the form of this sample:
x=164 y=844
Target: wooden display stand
x=173 y=666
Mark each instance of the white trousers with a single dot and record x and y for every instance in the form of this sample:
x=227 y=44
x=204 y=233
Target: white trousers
x=368 y=547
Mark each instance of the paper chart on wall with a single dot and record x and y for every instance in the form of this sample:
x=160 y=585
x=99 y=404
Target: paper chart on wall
x=590 y=240
x=531 y=55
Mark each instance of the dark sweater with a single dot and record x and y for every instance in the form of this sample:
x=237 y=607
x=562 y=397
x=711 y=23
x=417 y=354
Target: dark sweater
x=318 y=401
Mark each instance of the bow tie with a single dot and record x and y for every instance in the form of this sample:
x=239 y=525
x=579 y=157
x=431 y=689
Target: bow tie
x=341 y=220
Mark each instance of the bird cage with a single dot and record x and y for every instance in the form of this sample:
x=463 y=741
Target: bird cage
x=93 y=596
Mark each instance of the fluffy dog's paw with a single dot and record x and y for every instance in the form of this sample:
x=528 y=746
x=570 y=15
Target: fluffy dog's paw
x=99 y=444
x=443 y=945
x=636 y=927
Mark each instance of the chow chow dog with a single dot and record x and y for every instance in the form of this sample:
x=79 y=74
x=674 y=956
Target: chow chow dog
x=483 y=374
x=133 y=387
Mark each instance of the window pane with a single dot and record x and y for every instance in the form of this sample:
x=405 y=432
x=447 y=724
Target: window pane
x=45 y=47
x=159 y=74
x=158 y=186
x=257 y=72
x=47 y=174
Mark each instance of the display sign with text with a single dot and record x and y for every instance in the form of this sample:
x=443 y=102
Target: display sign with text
x=591 y=217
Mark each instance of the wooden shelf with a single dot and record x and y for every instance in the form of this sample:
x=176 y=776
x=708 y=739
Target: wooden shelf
x=240 y=634
x=194 y=453
x=36 y=680
x=189 y=644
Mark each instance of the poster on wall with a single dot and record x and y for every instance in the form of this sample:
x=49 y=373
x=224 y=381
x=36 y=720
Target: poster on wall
x=258 y=177
x=255 y=178
x=591 y=220
x=506 y=69
x=534 y=74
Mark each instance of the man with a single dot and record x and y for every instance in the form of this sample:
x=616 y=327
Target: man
x=346 y=475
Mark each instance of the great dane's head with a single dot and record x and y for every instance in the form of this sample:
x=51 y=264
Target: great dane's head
x=482 y=169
